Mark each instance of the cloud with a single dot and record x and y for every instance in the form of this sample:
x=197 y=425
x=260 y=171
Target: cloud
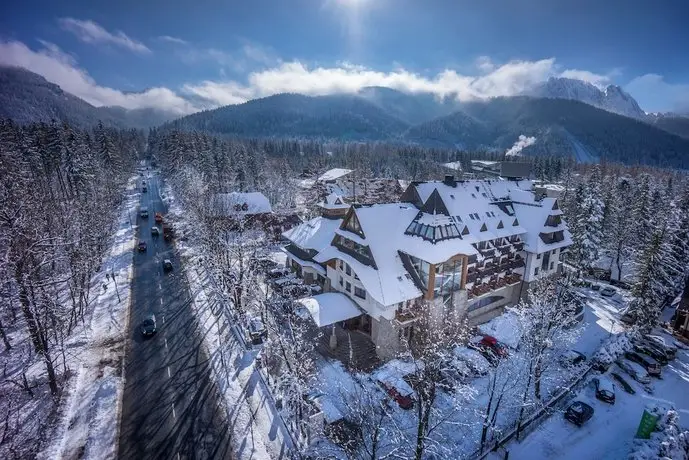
x=484 y=64
x=521 y=144
x=655 y=94
x=595 y=79
x=91 y=32
x=60 y=68
x=170 y=39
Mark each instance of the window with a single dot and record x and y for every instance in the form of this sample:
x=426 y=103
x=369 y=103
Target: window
x=485 y=302
x=538 y=256
x=359 y=292
x=356 y=277
x=341 y=280
x=487 y=213
x=552 y=264
x=339 y=264
x=353 y=225
x=348 y=286
x=535 y=272
x=472 y=216
x=348 y=270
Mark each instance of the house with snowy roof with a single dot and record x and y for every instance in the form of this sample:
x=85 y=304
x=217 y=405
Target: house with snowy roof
x=447 y=249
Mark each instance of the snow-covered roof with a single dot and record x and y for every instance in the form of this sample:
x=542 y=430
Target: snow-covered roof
x=306 y=263
x=333 y=201
x=329 y=308
x=316 y=233
x=333 y=174
x=243 y=203
x=456 y=165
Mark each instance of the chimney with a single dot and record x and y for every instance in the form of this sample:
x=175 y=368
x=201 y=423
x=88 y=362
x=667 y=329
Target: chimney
x=449 y=180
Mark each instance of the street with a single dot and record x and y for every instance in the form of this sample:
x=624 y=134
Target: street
x=171 y=405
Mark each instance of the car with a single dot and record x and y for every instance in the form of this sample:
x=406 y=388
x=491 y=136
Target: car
x=148 y=326
x=404 y=398
x=579 y=413
x=497 y=347
x=264 y=263
x=651 y=349
x=167 y=265
x=142 y=246
x=625 y=385
x=651 y=365
x=572 y=358
x=665 y=345
x=605 y=389
x=595 y=287
x=473 y=359
x=144 y=189
x=635 y=371
x=155 y=231
x=628 y=317
x=296 y=291
x=608 y=291
x=257 y=331
x=143 y=182
x=279 y=272
x=158 y=218
x=143 y=212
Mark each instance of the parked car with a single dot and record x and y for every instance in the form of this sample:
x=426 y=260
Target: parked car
x=167 y=265
x=665 y=345
x=628 y=317
x=625 y=385
x=281 y=283
x=652 y=350
x=155 y=231
x=257 y=331
x=158 y=218
x=578 y=413
x=595 y=287
x=403 y=397
x=605 y=389
x=497 y=347
x=148 y=326
x=279 y=272
x=635 y=371
x=296 y=291
x=143 y=212
x=572 y=358
x=264 y=263
x=473 y=359
x=651 y=365
x=608 y=291
x=142 y=246
x=144 y=189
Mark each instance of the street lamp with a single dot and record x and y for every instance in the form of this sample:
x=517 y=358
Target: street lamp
x=112 y=275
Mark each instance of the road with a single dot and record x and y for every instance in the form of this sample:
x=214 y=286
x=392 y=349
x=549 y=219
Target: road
x=171 y=405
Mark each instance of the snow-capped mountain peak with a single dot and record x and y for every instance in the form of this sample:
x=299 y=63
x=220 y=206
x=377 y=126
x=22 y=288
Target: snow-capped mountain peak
x=612 y=98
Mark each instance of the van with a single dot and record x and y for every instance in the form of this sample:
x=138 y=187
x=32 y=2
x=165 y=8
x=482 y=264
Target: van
x=651 y=365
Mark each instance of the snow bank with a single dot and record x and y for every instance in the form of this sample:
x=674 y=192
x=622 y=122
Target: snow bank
x=669 y=441
x=613 y=348
x=506 y=328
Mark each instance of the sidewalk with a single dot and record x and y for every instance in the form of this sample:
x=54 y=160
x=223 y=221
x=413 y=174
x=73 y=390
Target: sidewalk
x=88 y=428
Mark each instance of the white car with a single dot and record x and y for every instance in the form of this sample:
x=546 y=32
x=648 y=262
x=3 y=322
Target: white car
x=636 y=371
x=143 y=212
x=608 y=291
x=478 y=364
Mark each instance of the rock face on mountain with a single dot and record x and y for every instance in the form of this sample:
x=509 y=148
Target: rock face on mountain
x=613 y=98
x=28 y=97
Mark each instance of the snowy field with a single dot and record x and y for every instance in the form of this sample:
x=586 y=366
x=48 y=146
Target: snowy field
x=88 y=428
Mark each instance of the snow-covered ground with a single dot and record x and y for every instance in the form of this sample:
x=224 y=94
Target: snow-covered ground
x=258 y=430
x=610 y=433
x=88 y=428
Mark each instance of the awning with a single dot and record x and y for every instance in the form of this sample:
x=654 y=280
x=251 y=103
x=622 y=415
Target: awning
x=329 y=308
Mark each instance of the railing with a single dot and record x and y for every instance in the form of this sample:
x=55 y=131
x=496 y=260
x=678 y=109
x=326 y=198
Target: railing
x=555 y=238
x=408 y=314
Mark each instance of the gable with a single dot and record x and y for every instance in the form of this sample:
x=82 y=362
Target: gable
x=351 y=223
x=435 y=205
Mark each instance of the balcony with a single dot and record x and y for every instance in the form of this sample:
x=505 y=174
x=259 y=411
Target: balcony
x=408 y=314
x=512 y=278
x=550 y=238
x=553 y=221
x=518 y=246
x=472 y=259
x=517 y=263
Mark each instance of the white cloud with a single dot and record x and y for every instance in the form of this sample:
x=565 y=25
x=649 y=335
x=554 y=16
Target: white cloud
x=175 y=40
x=595 y=79
x=655 y=94
x=91 y=32
x=61 y=69
x=484 y=64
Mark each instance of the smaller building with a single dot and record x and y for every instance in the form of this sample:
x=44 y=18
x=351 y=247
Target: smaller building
x=241 y=204
x=680 y=320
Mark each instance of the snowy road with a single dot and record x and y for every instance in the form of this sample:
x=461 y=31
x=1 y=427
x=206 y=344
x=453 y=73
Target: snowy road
x=170 y=407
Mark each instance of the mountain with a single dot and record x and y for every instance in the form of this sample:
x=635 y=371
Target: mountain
x=411 y=108
x=28 y=97
x=613 y=98
x=347 y=117
x=560 y=126
x=671 y=122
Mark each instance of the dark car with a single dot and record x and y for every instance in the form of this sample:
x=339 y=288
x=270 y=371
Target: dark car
x=257 y=331
x=579 y=413
x=142 y=246
x=167 y=265
x=155 y=231
x=665 y=345
x=264 y=263
x=652 y=350
x=572 y=358
x=279 y=272
x=625 y=385
x=143 y=189
x=608 y=291
x=148 y=327
x=651 y=365
x=605 y=389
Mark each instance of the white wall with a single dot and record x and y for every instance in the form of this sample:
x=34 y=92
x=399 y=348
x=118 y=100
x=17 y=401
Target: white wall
x=535 y=261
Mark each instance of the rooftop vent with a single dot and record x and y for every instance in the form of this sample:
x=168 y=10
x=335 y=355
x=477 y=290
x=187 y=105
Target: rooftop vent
x=449 y=180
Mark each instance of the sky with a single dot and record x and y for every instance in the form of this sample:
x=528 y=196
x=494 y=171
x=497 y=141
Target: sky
x=185 y=55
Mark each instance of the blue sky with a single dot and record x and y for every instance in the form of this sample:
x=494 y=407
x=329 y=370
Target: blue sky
x=205 y=53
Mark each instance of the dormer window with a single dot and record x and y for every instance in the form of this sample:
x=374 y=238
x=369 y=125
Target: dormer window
x=515 y=223
x=484 y=228
x=500 y=225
